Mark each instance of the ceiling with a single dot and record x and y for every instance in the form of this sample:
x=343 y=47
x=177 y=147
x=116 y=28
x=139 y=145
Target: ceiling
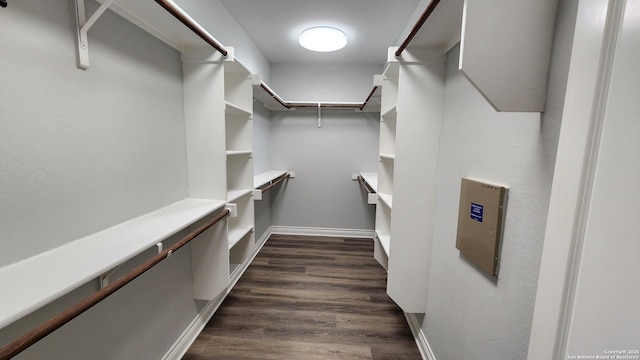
x=370 y=25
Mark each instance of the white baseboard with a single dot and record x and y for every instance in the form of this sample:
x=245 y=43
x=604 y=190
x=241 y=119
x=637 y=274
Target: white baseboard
x=419 y=337
x=189 y=335
x=313 y=231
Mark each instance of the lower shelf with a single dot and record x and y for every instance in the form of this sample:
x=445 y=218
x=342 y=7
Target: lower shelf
x=233 y=268
x=238 y=233
x=385 y=241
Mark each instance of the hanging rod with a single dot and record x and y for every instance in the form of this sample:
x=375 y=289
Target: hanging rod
x=193 y=25
x=366 y=187
x=373 y=91
x=315 y=105
x=53 y=324
x=275 y=182
x=416 y=28
x=327 y=105
x=274 y=95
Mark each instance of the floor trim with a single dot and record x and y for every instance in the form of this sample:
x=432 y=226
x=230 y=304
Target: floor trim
x=189 y=335
x=314 y=231
x=420 y=337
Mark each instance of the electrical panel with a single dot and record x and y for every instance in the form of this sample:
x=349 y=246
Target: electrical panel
x=480 y=223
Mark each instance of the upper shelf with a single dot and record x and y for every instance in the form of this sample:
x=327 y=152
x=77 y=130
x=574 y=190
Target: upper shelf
x=371 y=178
x=158 y=22
x=443 y=27
x=36 y=281
x=505 y=47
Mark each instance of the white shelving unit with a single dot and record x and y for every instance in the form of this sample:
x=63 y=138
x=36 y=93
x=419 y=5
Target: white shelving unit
x=26 y=287
x=412 y=93
x=388 y=81
x=219 y=124
x=238 y=96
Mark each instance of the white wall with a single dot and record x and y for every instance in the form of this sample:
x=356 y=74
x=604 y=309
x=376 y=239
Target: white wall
x=322 y=193
x=470 y=315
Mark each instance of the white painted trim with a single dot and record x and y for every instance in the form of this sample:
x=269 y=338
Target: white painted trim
x=189 y=335
x=180 y=347
x=592 y=50
x=615 y=15
x=313 y=231
x=419 y=337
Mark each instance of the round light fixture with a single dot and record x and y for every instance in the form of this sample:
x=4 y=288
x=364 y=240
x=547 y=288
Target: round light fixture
x=323 y=39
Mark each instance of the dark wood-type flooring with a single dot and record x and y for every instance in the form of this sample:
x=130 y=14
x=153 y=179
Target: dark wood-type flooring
x=308 y=298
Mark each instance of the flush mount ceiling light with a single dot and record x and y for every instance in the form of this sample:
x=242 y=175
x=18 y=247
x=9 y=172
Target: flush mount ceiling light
x=323 y=39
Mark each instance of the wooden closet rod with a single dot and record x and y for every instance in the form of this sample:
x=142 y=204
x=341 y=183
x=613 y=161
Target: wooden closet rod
x=327 y=105
x=274 y=95
x=189 y=22
x=365 y=186
x=423 y=18
x=53 y=324
x=276 y=182
x=373 y=91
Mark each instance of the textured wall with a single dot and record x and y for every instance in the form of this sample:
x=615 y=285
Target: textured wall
x=470 y=315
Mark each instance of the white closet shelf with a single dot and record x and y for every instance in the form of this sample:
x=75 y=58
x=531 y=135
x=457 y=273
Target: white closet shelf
x=34 y=282
x=238 y=233
x=233 y=268
x=233 y=109
x=233 y=195
x=152 y=18
x=233 y=66
x=266 y=177
x=238 y=152
x=385 y=241
x=392 y=71
x=387 y=199
x=387 y=156
x=390 y=114
x=371 y=178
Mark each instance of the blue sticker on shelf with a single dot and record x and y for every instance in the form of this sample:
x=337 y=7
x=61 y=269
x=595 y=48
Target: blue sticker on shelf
x=477 y=212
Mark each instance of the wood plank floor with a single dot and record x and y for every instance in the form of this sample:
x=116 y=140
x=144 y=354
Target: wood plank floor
x=308 y=298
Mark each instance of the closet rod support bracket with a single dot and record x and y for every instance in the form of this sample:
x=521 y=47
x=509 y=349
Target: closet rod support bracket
x=84 y=25
x=105 y=279
x=233 y=210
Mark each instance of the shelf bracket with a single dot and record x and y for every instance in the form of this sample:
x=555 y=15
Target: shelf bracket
x=84 y=25
x=319 y=115
x=105 y=278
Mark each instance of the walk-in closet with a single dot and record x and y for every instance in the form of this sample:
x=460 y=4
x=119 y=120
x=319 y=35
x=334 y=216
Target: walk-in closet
x=206 y=179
